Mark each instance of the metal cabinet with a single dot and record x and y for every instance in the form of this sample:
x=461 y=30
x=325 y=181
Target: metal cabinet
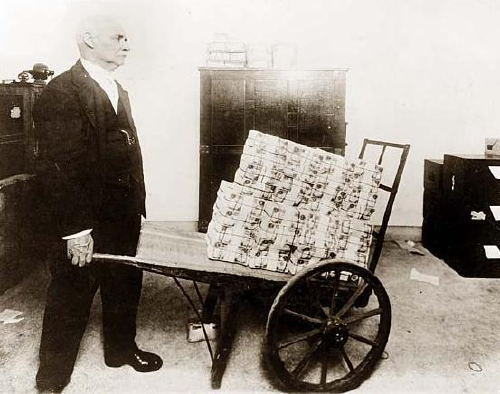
x=305 y=106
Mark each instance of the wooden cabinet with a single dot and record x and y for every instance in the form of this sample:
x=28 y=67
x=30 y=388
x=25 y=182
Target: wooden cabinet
x=305 y=106
x=21 y=249
x=17 y=140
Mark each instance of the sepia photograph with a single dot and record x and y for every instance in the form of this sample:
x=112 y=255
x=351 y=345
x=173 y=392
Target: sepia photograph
x=257 y=196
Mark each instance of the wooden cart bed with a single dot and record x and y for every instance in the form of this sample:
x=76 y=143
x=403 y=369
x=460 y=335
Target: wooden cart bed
x=183 y=254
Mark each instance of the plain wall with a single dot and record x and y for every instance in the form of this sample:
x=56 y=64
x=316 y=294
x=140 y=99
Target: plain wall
x=420 y=72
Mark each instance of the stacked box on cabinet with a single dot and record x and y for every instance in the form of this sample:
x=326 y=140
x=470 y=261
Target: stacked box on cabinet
x=472 y=191
x=291 y=205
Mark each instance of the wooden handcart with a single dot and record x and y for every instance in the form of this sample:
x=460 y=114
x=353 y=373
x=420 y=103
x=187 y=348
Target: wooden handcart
x=328 y=325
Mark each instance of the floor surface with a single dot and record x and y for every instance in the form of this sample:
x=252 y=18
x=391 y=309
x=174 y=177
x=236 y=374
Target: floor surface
x=444 y=338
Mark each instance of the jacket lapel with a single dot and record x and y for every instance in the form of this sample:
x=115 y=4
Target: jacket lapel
x=122 y=93
x=85 y=89
x=92 y=105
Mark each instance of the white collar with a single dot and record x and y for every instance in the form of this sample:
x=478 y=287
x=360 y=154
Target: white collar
x=97 y=72
x=105 y=80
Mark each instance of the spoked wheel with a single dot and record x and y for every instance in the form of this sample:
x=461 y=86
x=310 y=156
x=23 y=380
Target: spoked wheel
x=316 y=337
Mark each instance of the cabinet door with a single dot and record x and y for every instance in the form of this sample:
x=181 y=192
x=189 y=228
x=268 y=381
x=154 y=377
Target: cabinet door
x=222 y=135
x=12 y=160
x=17 y=139
x=320 y=107
x=227 y=112
x=270 y=110
x=315 y=112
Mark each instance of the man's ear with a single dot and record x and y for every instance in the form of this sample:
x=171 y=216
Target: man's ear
x=87 y=39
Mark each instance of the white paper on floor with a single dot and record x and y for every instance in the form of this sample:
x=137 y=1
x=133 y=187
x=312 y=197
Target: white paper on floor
x=415 y=275
x=9 y=316
x=410 y=246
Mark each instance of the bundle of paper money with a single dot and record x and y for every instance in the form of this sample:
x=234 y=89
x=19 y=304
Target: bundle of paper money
x=291 y=205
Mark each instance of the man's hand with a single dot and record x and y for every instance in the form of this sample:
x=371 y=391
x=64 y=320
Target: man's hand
x=80 y=250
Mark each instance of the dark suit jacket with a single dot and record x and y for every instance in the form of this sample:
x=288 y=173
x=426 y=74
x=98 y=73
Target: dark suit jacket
x=69 y=126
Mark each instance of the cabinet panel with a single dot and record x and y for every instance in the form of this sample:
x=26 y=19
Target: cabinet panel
x=11 y=115
x=271 y=107
x=316 y=107
x=224 y=165
x=12 y=159
x=21 y=249
x=228 y=112
x=17 y=137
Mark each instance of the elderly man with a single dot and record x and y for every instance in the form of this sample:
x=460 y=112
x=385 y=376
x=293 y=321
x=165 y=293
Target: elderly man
x=91 y=168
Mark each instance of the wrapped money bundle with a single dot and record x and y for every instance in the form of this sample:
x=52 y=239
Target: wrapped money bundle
x=291 y=205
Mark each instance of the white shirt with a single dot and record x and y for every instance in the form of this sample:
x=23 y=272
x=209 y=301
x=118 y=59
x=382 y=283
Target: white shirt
x=107 y=82
x=105 y=79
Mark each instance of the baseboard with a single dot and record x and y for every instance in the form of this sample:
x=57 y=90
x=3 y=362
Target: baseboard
x=412 y=233
x=174 y=225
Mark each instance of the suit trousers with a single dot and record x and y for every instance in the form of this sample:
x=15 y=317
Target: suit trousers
x=72 y=289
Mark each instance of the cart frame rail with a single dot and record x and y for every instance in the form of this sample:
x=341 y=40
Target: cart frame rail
x=392 y=190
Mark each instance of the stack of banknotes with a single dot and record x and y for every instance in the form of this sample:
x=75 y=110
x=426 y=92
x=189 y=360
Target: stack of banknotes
x=291 y=205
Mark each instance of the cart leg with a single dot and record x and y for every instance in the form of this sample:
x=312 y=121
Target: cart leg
x=228 y=319
x=210 y=303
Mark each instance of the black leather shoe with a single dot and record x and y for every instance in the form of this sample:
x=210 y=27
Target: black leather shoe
x=49 y=383
x=46 y=387
x=137 y=359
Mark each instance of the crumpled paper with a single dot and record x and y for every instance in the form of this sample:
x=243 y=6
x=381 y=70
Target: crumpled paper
x=418 y=276
x=10 y=316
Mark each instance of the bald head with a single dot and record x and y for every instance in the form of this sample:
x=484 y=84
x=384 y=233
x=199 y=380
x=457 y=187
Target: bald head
x=103 y=41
